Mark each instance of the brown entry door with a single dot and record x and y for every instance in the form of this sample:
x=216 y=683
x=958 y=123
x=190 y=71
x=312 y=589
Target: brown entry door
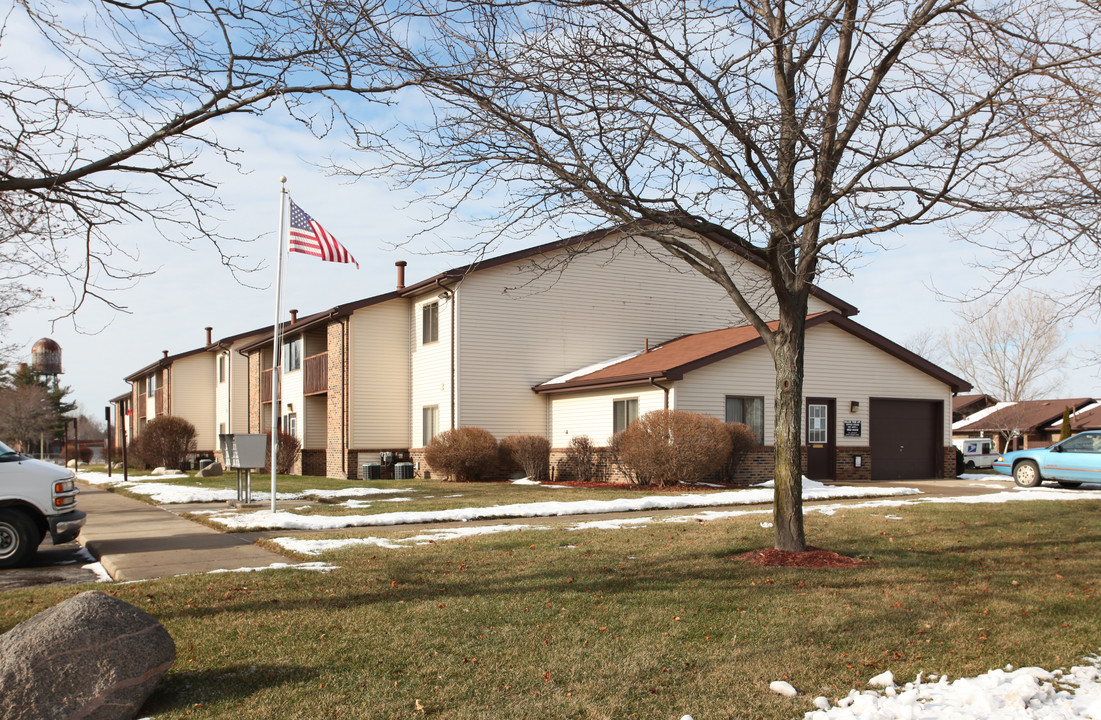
x=820 y=419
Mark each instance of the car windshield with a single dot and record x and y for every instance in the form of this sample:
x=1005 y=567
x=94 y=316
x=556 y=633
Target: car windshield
x=5 y=450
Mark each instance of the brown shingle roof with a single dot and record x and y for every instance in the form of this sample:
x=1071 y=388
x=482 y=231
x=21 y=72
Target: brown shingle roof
x=968 y=404
x=1026 y=416
x=1087 y=418
x=671 y=360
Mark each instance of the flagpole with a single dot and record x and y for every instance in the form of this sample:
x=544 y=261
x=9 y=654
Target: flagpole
x=276 y=366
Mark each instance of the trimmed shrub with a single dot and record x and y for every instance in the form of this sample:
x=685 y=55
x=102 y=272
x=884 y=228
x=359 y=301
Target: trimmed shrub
x=742 y=441
x=81 y=452
x=463 y=454
x=668 y=447
x=530 y=452
x=286 y=454
x=581 y=454
x=167 y=441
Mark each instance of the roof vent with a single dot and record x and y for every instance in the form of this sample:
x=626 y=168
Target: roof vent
x=208 y=331
x=400 y=265
x=165 y=354
x=294 y=316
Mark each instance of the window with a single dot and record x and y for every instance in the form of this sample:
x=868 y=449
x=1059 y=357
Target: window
x=151 y=384
x=817 y=427
x=748 y=410
x=222 y=368
x=624 y=413
x=430 y=323
x=292 y=355
x=290 y=424
x=430 y=423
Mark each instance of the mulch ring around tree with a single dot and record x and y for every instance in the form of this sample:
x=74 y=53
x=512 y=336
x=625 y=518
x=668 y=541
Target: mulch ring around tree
x=813 y=557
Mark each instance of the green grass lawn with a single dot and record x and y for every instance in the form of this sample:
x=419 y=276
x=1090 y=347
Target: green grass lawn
x=648 y=623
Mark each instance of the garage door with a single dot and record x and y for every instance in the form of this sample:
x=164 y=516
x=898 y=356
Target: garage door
x=905 y=438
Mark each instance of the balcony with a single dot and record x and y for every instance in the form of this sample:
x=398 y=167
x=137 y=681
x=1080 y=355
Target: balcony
x=317 y=374
x=265 y=386
x=158 y=401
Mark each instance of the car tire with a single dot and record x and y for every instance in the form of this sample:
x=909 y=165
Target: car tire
x=1069 y=484
x=970 y=465
x=18 y=538
x=1027 y=474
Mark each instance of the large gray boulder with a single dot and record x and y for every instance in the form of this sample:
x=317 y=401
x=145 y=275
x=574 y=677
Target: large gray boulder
x=92 y=657
x=214 y=469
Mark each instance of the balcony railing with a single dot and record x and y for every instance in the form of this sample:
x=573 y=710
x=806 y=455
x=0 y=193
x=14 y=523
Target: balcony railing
x=317 y=374
x=265 y=386
x=158 y=401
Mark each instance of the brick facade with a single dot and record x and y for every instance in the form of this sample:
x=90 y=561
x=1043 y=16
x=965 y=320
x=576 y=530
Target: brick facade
x=338 y=463
x=312 y=462
x=254 y=404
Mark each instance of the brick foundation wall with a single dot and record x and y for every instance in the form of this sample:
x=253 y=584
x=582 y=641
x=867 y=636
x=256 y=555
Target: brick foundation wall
x=949 y=461
x=846 y=464
x=312 y=462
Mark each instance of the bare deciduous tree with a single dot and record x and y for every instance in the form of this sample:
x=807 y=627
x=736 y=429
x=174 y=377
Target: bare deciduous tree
x=1014 y=350
x=25 y=413
x=795 y=133
x=106 y=126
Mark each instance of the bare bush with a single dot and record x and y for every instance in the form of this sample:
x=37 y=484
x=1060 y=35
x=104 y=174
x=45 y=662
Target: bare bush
x=285 y=456
x=167 y=441
x=742 y=440
x=530 y=452
x=581 y=454
x=667 y=447
x=615 y=451
x=463 y=454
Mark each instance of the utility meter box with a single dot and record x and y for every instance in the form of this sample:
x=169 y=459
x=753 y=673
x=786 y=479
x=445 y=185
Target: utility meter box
x=244 y=451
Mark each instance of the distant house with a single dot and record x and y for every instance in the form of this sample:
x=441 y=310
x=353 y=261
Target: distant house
x=1084 y=418
x=1018 y=425
x=965 y=405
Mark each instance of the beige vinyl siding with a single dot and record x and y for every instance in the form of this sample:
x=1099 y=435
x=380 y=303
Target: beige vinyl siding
x=378 y=370
x=838 y=365
x=313 y=422
x=431 y=367
x=601 y=306
x=590 y=413
x=192 y=396
x=290 y=394
x=222 y=390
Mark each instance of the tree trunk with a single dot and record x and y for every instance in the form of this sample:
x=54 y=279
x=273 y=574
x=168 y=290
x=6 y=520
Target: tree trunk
x=788 y=475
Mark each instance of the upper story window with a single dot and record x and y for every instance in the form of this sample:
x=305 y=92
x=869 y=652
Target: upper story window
x=151 y=384
x=222 y=368
x=748 y=410
x=430 y=323
x=624 y=413
x=292 y=355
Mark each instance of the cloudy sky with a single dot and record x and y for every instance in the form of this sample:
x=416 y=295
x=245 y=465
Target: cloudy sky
x=190 y=289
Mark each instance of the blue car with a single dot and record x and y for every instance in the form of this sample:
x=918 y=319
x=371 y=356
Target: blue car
x=1072 y=462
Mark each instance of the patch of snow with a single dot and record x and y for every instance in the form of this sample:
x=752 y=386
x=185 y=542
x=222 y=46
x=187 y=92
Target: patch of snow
x=167 y=494
x=592 y=368
x=525 y=481
x=781 y=687
x=1026 y=694
x=981 y=414
x=318 y=547
x=311 y=566
x=290 y=521
x=99 y=571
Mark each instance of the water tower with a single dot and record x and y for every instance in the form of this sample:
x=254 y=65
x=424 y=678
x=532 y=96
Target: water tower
x=46 y=359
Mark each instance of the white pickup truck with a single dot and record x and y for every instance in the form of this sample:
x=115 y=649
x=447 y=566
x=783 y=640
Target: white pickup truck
x=35 y=498
x=977 y=452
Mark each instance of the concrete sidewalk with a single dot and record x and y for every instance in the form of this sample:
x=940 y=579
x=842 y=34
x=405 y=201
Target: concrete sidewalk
x=137 y=541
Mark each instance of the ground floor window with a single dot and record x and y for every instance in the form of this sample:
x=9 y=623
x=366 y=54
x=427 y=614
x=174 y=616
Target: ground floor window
x=290 y=424
x=430 y=423
x=748 y=410
x=624 y=413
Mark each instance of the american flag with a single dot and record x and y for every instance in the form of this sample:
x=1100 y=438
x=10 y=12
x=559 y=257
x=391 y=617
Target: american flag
x=308 y=237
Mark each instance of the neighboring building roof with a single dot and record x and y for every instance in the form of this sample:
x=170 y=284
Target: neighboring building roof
x=1085 y=418
x=669 y=361
x=120 y=398
x=965 y=405
x=1026 y=416
x=981 y=414
x=213 y=346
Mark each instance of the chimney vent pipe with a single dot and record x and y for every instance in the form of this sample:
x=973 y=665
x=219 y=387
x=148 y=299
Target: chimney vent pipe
x=294 y=316
x=400 y=264
x=208 y=331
